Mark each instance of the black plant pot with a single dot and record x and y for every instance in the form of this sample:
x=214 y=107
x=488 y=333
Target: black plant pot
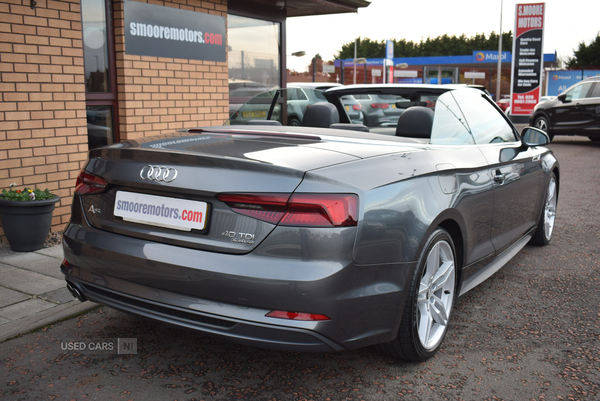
x=27 y=224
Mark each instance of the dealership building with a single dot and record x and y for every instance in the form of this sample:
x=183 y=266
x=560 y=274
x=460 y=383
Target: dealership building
x=77 y=74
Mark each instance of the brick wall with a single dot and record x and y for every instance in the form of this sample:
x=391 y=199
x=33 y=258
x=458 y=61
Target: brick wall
x=43 y=129
x=43 y=134
x=159 y=95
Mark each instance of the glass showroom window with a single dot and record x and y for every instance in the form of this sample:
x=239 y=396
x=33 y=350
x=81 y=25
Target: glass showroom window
x=254 y=57
x=101 y=97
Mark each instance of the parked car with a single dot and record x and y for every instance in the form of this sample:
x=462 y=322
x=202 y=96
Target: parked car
x=503 y=104
x=242 y=90
x=313 y=239
x=383 y=106
x=297 y=100
x=322 y=86
x=573 y=112
x=353 y=109
x=380 y=109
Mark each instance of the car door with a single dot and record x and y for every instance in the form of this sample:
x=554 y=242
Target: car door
x=568 y=116
x=470 y=179
x=515 y=170
x=589 y=110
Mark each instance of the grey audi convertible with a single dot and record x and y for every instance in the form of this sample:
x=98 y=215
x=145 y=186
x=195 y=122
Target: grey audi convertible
x=323 y=237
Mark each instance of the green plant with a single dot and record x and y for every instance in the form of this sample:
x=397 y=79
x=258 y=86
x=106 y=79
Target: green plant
x=26 y=194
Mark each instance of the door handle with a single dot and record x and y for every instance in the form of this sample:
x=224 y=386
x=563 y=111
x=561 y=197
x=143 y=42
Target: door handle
x=499 y=177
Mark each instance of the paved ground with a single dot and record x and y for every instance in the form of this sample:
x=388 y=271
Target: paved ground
x=531 y=332
x=32 y=291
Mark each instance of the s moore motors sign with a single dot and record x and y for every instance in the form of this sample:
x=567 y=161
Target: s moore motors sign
x=152 y=30
x=527 y=58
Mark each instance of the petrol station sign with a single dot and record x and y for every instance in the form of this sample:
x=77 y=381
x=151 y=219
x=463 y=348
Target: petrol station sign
x=527 y=62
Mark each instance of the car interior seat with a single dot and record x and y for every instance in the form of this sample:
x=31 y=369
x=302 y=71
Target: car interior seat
x=415 y=122
x=320 y=114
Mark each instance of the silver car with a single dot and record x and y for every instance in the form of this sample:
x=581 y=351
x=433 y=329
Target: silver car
x=312 y=239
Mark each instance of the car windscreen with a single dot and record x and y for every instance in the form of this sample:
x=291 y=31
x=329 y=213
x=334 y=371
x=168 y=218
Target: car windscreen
x=466 y=117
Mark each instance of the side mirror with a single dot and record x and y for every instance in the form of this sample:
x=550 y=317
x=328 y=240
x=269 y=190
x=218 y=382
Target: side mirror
x=562 y=97
x=534 y=137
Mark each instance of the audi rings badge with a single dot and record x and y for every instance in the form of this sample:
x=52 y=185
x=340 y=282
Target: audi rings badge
x=158 y=173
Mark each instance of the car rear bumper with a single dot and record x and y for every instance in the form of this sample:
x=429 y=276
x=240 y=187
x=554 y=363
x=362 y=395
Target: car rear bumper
x=237 y=330
x=201 y=292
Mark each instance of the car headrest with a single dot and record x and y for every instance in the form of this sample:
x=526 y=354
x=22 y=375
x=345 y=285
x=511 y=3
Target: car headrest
x=321 y=114
x=415 y=122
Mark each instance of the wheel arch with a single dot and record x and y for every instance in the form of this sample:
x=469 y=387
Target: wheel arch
x=456 y=233
x=452 y=222
x=556 y=172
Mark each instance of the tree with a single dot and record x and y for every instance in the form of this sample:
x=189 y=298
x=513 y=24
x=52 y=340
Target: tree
x=586 y=55
x=443 y=45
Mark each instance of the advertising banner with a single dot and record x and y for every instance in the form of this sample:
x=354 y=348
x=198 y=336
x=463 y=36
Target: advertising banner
x=489 y=56
x=152 y=30
x=389 y=49
x=559 y=81
x=527 y=65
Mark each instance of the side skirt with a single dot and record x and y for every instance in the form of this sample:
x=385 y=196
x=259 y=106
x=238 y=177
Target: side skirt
x=487 y=271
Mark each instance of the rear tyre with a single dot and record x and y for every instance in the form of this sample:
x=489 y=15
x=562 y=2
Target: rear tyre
x=294 y=122
x=429 y=304
x=543 y=232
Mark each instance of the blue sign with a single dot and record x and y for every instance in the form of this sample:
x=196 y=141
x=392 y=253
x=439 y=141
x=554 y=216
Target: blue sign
x=389 y=49
x=559 y=81
x=410 y=80
x=489 y=56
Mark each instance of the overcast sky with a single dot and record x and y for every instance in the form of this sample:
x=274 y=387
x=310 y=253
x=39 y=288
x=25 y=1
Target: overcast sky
x=568 y=22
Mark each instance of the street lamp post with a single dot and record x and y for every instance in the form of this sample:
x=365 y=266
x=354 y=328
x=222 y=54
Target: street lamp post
x=499 y=73
x=361 y=60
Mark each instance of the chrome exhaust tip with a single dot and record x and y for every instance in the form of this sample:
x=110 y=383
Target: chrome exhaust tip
x=75 y=292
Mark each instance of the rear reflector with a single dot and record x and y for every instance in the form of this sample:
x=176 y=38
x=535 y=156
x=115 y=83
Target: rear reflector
x=305 y=210
x=311 y=317
x=89 y=184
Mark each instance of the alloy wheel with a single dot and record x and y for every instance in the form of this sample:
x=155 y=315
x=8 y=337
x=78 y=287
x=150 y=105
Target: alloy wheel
x=550 y=208
x=436 y=295
x=542 y=124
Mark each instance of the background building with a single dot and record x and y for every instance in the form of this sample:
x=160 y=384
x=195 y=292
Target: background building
x=76 y=74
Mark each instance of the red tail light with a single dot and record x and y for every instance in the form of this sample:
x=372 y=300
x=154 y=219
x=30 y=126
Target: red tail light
x=356 y=107
x=312 y=210
x=280 y=314
x=89 y=184
x=380 y=105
